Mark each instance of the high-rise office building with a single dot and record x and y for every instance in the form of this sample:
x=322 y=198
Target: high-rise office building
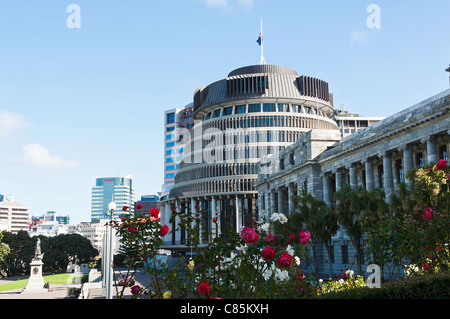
x=177 y=123
x=13 y=216
x=147 y=202
x=111 y=189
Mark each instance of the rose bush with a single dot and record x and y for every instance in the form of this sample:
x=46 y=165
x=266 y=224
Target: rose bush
x=254 y=263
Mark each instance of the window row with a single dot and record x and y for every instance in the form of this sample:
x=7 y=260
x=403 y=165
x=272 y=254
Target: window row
x=219 y=186
x=220 y=170
x=245 y=137
x=261 y=107
x=270 y=121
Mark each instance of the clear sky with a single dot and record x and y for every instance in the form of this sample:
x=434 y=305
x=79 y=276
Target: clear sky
x=76 y=103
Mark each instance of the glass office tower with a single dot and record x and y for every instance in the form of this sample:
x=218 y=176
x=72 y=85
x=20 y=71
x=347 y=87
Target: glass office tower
x=111 y=189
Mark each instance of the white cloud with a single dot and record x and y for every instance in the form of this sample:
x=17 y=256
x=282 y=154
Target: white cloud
x=228 y=4
x=12 y=122
x=359 y=36
x=39 y=156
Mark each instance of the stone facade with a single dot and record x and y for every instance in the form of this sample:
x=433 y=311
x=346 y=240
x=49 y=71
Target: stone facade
x=377 y=157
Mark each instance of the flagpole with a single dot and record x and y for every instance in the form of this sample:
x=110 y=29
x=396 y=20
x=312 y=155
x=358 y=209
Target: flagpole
x=262 y=60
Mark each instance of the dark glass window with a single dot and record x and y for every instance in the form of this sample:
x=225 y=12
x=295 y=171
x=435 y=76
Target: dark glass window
x=216 y=113
x=170 y=118
x=240 y=109
x=228 y=110
x=269 y=107
x=254 y=108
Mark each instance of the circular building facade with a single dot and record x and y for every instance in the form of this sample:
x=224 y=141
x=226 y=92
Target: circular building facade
x=255 y=111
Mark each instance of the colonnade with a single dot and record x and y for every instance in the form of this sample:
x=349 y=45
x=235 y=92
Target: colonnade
x=214 y=215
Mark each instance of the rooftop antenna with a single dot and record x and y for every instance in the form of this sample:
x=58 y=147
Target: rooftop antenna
x=261 y=44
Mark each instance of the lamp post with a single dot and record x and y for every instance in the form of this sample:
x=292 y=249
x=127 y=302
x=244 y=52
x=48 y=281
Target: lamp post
x=109 y=252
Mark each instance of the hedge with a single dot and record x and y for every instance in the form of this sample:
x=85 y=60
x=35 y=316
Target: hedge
x=429 y=286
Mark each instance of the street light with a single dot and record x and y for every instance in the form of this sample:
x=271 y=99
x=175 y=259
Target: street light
x=109 y=252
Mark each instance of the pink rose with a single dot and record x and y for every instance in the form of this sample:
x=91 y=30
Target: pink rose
x=268 y=253
x=136 y=289
x=427 y=213
x=304 y=237
x=249 y=235
x=285 y=260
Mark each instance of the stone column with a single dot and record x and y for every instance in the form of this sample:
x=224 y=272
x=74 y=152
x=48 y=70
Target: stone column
x=408 y=163
x=280 y=200
x=290 y=201
x=387 y=175
x=339 y=179
x=369 y=174
x=353 y=176
x=273 y=207
x=326 y=189
x=432 y=155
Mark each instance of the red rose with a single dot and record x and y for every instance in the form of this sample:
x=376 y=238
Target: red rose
x=249 y=235
x=203 y=289
x=442 y=165
x=268 y=253
x=285 y=260
x=214 y=220
x=291 y=238
x=124 y=208
x=138 y=206
x=154 y=212
x=304 y=237
x=131 y=229
x=271 y=238
x=163 y=231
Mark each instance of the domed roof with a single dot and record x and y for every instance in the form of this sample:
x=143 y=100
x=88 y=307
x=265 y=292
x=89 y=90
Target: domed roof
x=263 y=68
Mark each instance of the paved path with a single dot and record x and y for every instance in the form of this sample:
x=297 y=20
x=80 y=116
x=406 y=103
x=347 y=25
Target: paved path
x=60 y=291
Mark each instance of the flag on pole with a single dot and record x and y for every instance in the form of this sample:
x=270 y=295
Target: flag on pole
x=259 y=39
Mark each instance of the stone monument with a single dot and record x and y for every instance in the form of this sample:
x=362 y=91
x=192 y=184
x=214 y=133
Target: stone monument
x=36 y=281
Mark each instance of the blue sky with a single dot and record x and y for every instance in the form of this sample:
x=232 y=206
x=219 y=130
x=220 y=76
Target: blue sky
x=76 y=103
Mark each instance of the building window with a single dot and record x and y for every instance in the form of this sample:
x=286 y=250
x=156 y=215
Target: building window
x=170 y=118
x=380 y=176
x=252 y=108
x=442 y=152
x=344 y=253
x=228 y=111
x=239 y=109
x=419 y=159
x=170 y=129
x=170 y=144
x=269 y=107
x=216 y=113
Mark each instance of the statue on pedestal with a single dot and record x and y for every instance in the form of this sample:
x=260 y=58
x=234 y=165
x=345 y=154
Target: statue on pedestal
x=36 y=281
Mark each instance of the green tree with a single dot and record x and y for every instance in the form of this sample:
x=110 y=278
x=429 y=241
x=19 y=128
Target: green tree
x=4 y=250
x=17 y=262
x=355 y=208
x=64 y=249
x=319 y=219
